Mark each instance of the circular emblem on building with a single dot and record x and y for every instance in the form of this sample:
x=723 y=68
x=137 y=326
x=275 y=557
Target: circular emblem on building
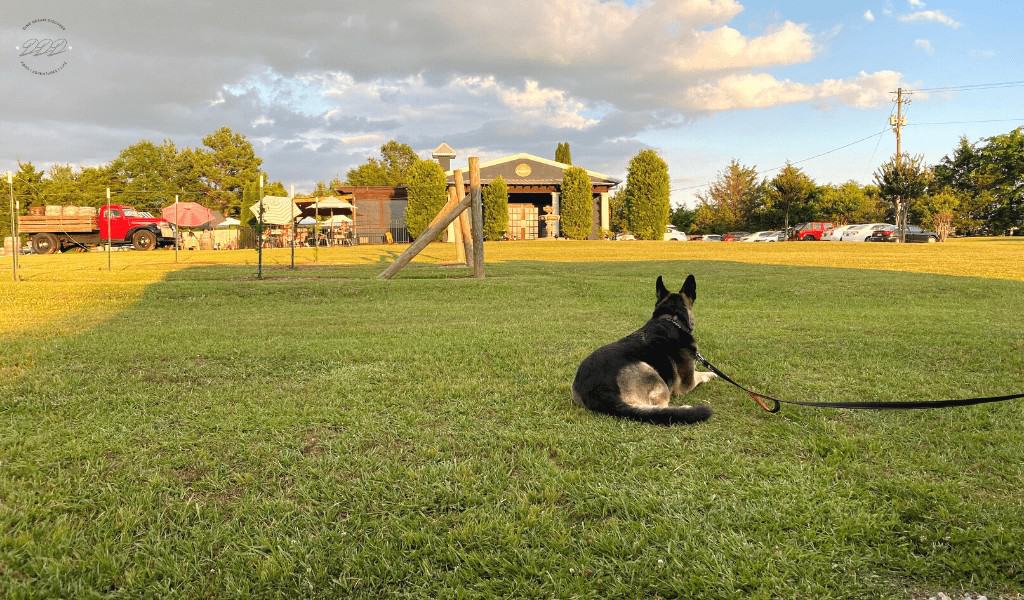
x=523 y=170
x=45 y=50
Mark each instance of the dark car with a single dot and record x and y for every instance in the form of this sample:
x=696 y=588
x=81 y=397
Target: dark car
x=914 y=234
x=735 y=236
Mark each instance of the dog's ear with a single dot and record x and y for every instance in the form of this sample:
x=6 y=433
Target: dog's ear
x=661 y=289
x=689 y=288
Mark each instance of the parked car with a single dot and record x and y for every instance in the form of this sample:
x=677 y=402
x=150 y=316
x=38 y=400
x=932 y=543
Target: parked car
x=710 y=237
x=914 y=234
x=835 y=234
x=764 y=236
x=860 y=233
x=625 y=235
x=806 y=232
x=673 y=233
x=735 y=236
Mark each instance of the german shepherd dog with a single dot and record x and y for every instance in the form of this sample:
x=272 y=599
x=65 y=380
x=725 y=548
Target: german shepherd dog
x=634 y=377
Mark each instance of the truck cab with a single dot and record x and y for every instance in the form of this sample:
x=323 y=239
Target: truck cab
x=122 y=224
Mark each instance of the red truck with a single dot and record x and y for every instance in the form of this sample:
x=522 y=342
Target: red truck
x=127 y=226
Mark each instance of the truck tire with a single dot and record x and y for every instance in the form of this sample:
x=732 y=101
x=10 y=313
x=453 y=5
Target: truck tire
x=144 y=239
x=45 y=243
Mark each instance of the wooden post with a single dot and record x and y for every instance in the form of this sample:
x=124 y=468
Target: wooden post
x=476 y=194
x=440 y=223
x=460 y=249
x=467 y=234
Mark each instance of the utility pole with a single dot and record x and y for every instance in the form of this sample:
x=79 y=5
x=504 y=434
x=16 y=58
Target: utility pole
x=291 y=209
x=110 y=237
x=15 y=237
x=259 y=236
x=898 y=122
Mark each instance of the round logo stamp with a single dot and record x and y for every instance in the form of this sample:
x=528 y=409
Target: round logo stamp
x=46 y=49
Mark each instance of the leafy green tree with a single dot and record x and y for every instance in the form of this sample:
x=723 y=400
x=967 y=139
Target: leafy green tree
x=731 y=200
x=394 y=167
x=791 y=191
x=61 y=186
x=232 y=163
x=617 y=219
x=682 y=217
x=577 y=204
x=903 y=182
x=28 y=186
x=250 y=196
x=142 y=175
x=647 y=195
x=495 y=209
x=937 y=211
x=847 y=203
x=563 y=154
x=427 y=188
x=1001 y=174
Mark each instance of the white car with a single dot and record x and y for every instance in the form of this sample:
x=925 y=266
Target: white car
x=762 y=236
x=672 y=233
x=860 y=233
x=835 y=234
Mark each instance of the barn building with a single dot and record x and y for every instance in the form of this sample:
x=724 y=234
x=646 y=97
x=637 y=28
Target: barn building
x=533 y=184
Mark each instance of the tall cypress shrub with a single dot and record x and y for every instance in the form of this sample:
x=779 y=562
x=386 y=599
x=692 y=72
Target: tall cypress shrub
x=577 y=204
x=495 y=209
x=647 y=195
x=427 y=188
x=563 y=154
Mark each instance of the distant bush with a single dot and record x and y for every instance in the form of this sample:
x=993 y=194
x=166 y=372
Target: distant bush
x=496 y=209
x=647 y=195
x=428 y=193
x=577 y=208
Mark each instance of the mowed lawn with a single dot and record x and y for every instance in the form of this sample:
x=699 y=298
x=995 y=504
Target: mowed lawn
x=186 y=431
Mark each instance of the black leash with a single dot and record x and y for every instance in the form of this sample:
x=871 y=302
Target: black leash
x=763 y=399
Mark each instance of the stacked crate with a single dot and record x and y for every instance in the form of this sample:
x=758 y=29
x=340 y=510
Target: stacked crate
x=522 y=221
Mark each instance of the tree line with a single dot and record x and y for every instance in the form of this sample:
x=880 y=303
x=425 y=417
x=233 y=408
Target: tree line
x=147 y=176
x=977 y=189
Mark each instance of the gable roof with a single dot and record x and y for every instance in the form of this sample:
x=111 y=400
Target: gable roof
x=444 y=150
x=524 y=156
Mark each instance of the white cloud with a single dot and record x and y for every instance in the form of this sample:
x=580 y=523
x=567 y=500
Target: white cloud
x=925 y=45
x=916 y=3
x=262 y=120
x=762 y=90
x=554 y=107
x=727 y=48
x=869 y=16
x=933 y=16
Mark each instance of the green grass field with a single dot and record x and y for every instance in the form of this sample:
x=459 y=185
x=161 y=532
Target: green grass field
x=186 y=431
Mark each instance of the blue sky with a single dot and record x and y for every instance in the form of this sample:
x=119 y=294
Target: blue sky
x=984 y=48
x=319 y=85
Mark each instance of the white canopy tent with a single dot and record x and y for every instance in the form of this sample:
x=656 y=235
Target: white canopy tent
x=335 y=221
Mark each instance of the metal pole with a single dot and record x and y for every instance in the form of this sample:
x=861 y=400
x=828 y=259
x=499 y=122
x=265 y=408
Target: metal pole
x=110 y=237
x=175 y=228
x=291 y=209
x=259 y=235
x=316 y=230
x=16 y=246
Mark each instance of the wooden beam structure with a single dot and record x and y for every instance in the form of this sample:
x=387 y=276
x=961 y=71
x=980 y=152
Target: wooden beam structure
x=473 y=201
x=467 y=234
x=477 y=216
x=440 y=223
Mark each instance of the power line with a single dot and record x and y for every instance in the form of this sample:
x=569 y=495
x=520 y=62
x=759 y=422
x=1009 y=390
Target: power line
x=965 y=122
x=793 y=162
x=970 y=87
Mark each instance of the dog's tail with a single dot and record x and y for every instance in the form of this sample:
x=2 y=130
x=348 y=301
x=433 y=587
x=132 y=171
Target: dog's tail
x=664 y=415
